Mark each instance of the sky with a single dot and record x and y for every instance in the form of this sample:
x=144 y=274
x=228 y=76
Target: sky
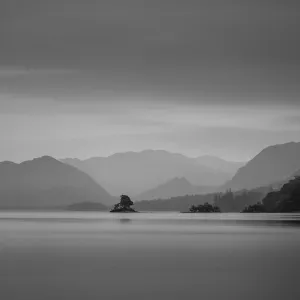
x=82 y=78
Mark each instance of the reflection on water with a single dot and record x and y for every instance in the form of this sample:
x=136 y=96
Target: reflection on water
x=124 y=221
x=91 y=255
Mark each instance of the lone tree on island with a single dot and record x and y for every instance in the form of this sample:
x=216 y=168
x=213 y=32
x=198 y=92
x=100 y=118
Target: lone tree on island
x=123 y=205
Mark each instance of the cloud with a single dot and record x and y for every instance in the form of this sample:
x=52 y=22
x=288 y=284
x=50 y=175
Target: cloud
x=190 y=76
x=227 y=49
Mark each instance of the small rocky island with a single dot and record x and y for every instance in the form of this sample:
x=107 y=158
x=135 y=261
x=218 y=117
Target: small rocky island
x=205 y=208
x=123 y=205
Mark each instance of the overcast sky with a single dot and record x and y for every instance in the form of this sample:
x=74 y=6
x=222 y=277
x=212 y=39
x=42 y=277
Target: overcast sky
x=81 y=78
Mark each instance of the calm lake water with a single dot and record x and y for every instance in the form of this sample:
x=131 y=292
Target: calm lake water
x=91 y=255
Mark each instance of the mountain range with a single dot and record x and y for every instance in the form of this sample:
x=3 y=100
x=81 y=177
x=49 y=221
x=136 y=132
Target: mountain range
x=136 y=172
x=152 y=174
x=219 y=164
x=274 y=164
x=47 y=183
x=174 y=188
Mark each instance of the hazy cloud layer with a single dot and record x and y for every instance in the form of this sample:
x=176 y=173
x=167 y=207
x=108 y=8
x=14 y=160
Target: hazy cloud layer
x=182 y=75
x=236 y=48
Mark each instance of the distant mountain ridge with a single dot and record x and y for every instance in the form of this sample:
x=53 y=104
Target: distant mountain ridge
x=219 y=164
x=46 y=182
x=227 y=202
x=136 y=172
x=271 y=165
x=175 y=187
x=180 y=204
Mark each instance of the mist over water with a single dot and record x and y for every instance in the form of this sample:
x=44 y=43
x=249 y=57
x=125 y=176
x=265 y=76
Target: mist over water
x=57 y=255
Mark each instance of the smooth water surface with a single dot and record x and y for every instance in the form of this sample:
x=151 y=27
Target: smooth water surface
x=91 y=255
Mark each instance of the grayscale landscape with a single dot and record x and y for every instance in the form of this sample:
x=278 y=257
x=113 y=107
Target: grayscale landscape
x=149 y=149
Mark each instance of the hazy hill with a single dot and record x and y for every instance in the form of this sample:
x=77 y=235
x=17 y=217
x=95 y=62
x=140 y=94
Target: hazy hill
x=273 y=164
x=172 y=188
x=135 y=172
x=219 y=164
x=46 y=182
x=182 y=203
x=237 y=201
x=227 y=202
